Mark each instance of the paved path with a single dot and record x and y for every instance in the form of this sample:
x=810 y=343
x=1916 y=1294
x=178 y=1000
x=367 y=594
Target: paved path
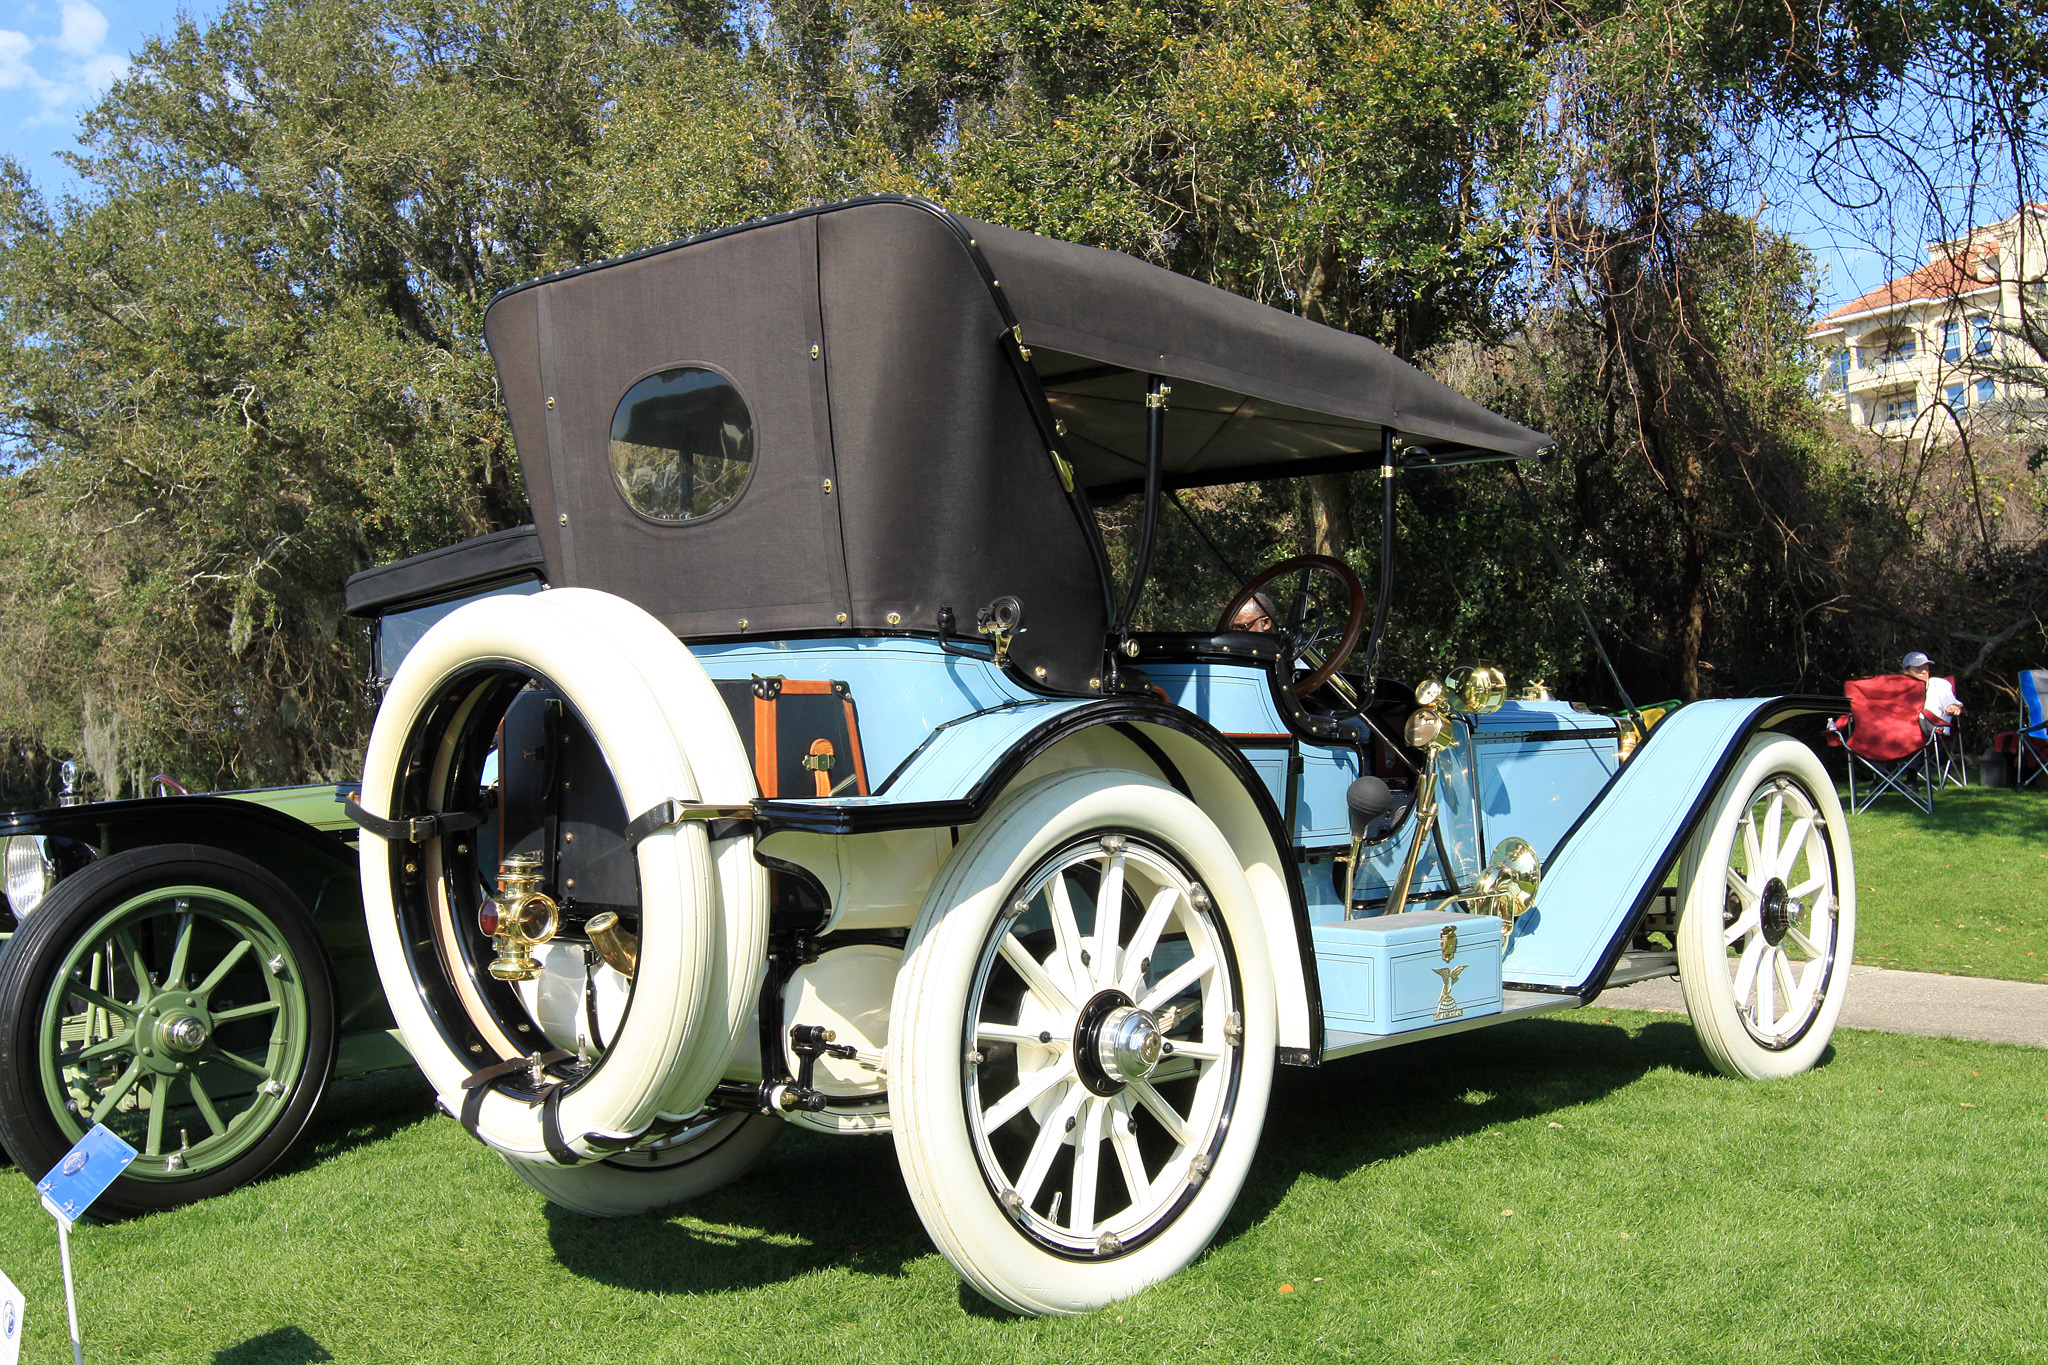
x=1904 y=1002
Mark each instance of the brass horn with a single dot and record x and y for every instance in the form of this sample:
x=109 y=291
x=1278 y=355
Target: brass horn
x=617 y=946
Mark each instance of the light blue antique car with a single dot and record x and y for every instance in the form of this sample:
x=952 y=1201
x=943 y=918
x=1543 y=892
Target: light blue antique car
x=827 y=782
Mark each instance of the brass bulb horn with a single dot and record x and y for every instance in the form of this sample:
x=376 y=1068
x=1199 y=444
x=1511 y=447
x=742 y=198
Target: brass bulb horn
x=617 y=946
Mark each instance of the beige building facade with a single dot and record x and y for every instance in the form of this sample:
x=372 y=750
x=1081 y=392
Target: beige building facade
x=1945 y=345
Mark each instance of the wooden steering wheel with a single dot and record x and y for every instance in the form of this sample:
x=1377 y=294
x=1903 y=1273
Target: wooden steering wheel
x=1354 y=624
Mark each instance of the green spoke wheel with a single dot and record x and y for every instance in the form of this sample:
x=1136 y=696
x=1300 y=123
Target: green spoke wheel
x=179 y=995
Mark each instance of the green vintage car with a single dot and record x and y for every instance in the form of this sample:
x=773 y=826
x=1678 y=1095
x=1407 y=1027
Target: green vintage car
x=193 y=969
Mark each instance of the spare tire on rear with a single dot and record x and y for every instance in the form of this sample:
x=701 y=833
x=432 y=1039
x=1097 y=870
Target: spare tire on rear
x=664 y=736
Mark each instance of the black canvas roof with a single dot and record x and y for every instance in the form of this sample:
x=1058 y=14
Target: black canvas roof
x=1258 y=394
x=901 y=463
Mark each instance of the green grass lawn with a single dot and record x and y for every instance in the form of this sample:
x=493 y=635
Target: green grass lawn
x=1964 y=890
x=1576 y=1189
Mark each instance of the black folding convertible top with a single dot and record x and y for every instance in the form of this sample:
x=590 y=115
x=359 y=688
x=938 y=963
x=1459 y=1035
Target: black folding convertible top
x=1257 y=393
x=901 y=451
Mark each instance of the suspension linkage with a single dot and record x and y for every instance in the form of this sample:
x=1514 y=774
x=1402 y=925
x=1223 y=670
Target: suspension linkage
x=809 y=1042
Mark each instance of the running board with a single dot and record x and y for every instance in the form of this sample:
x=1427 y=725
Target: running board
x=1514 y=1004
x=1630 y=968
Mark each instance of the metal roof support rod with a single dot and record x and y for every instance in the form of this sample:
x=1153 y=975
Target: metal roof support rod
x=1156 y=392
x=1564 y=576
x=1390 y=465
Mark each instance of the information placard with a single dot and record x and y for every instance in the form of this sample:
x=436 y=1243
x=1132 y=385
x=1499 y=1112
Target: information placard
x=84 y=1173
x=11 y=1308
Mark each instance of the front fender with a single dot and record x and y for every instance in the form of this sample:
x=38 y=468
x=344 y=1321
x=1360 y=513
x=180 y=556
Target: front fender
x=319 y=867
x=964 y=768
x=1607 y=867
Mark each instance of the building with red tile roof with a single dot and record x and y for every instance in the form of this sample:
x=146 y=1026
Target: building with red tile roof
x=1941 y=345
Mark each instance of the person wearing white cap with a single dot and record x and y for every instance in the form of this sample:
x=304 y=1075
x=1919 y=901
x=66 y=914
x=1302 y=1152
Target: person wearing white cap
x=1941 y=698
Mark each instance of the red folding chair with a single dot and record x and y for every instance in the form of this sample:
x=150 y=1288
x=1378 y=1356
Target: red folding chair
x=2031 y=742
x=1890 y=735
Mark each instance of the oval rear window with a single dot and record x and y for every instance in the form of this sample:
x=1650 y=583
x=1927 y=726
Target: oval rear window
x=682 y=444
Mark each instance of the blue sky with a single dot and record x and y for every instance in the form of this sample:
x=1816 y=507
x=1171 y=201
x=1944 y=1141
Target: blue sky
x=57 y=56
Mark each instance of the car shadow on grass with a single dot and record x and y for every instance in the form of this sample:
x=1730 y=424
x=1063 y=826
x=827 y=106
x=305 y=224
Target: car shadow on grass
x=813 y=1203
x=818 y=1203
x=1381 y=1106
x=357 y=1111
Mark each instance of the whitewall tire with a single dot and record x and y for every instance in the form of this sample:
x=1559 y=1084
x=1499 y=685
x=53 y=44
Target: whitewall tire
x=1082 y=1043
x=706 y=1156
x=1767 y=918
x=677 y=1034
x=698 y=720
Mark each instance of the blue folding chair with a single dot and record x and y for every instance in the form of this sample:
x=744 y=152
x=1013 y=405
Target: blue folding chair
x=2032 y=741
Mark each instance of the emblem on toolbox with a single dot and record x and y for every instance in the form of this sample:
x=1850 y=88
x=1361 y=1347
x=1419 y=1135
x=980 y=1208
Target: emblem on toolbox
x=1447 y=1008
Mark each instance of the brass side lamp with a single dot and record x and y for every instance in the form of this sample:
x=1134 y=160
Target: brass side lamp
x=519 y=919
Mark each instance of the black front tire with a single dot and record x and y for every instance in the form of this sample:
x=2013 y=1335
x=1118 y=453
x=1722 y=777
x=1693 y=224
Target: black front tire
x=166 y=991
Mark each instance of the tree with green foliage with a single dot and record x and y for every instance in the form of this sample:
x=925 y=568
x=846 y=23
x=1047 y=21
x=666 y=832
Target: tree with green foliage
x=247 y=361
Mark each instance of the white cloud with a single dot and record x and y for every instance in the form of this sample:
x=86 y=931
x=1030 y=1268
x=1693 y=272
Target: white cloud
x=64 y=70
x=15 y=71
x=102 y=69
x=85 y=28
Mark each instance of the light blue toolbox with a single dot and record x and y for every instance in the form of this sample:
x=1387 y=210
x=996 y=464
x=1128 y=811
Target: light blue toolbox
x=1400 y=972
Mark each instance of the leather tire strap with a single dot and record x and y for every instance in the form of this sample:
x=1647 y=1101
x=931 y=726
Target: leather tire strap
x=551 y=1128
x=476 y=1080
x=414 y=831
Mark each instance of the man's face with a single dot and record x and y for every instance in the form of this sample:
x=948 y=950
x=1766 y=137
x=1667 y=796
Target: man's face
x=1251 y=616
x=1920 y=671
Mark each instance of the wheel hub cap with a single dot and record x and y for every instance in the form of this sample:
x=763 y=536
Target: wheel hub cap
x=1129 y=1043
x=1776 y=912
x=172 y=1027
x=184 y=1033
x=1116 y=1043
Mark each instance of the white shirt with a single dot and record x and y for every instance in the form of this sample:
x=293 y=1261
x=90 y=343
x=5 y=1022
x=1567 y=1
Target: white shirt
x=1940 y=696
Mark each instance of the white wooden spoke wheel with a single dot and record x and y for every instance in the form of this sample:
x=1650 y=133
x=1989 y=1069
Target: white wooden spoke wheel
x=1086 y=1044
x=1767 y=929
x=1099 y=1063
